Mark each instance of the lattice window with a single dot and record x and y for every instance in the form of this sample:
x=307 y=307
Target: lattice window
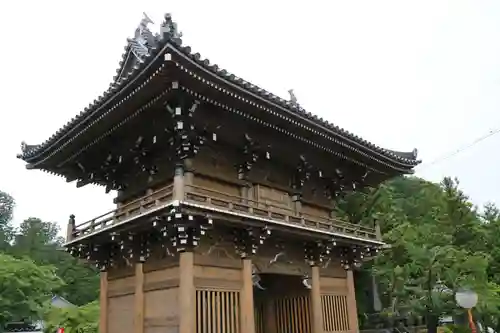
x=292 y=314
x=217 y=311
x=259 y=317
x=335 y=313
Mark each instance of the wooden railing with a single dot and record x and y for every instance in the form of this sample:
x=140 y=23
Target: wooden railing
x=214 y=199
x=126 y=211
x=237 y=204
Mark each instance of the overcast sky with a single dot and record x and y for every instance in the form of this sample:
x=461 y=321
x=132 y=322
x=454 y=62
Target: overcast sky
x=403 y=74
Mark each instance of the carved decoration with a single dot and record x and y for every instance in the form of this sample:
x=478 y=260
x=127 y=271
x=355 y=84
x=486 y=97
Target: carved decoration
x=187 y=229
x=142 y=155
x=247 y=241
x=316 y=253
x=251 y=153
x=353 y=256
x=143 y=39
x=293 y=98
x=169 y=29
x=301 y=175
x=187 y=139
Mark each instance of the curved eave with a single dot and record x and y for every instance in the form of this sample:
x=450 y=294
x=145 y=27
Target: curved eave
x=123 y=80
x=404 y=159
x=37 y=155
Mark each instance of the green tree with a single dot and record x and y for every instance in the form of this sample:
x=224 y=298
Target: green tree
x=82 y=319
x=6 y=212
x=40 y=241
x=437 y=244
x=25 y=288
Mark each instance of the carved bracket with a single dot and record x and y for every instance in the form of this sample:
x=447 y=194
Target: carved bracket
x=247 y=241
x=100 y=255
x=353 y=256
x=251 y=153
x=187 y=230
x=186 y=141
x=301 y=175
x=315 y=253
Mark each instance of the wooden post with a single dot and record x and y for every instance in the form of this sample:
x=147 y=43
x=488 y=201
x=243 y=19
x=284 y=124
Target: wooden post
x=352 y=310
x=247 y=307
x=71 y=228
x=139 y=298
x=316 y=307
x=297 y=203
x=187 y=293
x=378 y=232
x=179 y=183
x=103 y=300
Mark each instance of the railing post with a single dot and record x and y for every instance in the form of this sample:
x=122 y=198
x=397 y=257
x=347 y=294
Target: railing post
x=70 y=230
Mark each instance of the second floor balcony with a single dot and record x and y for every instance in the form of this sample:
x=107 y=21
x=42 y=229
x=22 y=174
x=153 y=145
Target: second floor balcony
x=155 y=202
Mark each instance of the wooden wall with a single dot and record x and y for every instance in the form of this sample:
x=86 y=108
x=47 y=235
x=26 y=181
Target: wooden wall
x=160 y=283
x=269 y=182
x=284 y=307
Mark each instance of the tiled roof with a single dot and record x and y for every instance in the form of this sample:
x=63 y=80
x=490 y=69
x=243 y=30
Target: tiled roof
x=133 y=63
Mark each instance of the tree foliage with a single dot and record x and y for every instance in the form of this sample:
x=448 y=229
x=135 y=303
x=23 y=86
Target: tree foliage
x=438 y=242
x=6 y=213
x=25 y=288
x=82 y=319
x=40 y=241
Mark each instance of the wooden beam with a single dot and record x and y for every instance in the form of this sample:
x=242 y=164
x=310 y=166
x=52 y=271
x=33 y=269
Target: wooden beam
x=139 y=298
x=352 y=310
x=316 y=307
x=247 y=306
x=103 y=301
x=187 y=293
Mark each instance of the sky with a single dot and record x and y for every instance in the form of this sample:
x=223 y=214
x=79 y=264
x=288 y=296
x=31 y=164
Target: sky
x=403 y=74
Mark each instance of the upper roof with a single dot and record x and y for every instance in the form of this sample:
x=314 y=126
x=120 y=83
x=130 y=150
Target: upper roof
x=145 y=47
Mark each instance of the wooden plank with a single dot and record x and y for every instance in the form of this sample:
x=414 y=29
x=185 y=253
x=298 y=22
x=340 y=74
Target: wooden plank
x=103 y=299
x=317 y=315
x=187 y=320
x=247 y=305
x=351 y=303
x=139 y=299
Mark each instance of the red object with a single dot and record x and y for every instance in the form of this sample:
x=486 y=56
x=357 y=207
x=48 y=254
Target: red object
x=61 y=330
x=471 y=322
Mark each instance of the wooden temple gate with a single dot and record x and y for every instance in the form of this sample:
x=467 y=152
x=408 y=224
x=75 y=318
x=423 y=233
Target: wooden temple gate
x=207 y=166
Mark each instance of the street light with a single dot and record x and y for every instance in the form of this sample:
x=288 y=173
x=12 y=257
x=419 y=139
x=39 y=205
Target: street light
x=467 y=299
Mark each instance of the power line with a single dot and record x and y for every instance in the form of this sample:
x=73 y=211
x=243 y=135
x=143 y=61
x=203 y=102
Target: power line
x=453 y=153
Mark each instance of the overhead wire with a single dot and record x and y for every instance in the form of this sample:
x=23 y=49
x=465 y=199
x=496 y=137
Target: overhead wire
x=455 y=152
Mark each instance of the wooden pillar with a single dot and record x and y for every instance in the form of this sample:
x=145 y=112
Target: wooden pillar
x=139 y=298
x=188 y=172
x=297 y=203
x=187 y=293
x=247 y=316
x=316 y=307
x=352 y=310
x=103 y=301
x=378 y=232
x=179 y=183
x=71 y=228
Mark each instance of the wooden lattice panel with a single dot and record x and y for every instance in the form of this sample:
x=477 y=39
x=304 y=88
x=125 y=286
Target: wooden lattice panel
x=293 y=314
x=335 y=313
x=217 y=311
x=259 y=317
